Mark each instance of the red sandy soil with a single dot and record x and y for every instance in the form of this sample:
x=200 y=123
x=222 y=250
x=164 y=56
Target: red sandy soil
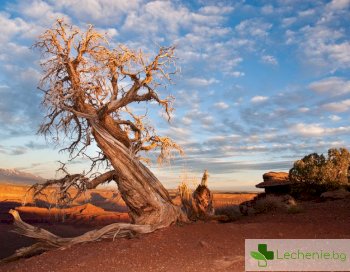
x=195 y=247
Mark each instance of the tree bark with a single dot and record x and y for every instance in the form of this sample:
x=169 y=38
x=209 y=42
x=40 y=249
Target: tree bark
x=149 y=202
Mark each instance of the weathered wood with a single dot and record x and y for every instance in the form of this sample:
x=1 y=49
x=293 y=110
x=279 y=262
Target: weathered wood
x=149 y=202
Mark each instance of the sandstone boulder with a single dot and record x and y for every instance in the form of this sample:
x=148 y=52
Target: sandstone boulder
x=276 y=177
x=275 y=183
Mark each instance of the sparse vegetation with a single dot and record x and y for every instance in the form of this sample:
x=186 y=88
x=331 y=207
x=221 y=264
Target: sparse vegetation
x=231 y=211
x=184 y=191
x=275 y=203
x=187 y=185
x=268 y=204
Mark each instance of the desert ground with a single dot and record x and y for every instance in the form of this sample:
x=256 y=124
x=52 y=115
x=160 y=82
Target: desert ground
x=201 y=246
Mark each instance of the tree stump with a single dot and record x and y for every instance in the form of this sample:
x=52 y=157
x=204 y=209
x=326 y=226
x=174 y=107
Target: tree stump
x=199 y=204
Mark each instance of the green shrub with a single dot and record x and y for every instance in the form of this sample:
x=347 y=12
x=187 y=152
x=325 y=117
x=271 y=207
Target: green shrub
x=315 y=174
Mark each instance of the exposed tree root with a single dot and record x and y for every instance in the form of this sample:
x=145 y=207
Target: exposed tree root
x=50 y=241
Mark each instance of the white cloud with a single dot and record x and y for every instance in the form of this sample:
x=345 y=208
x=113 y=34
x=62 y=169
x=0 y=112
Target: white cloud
x=303 y=109
x=40 y=11
x=15 y=53
x=221 y=105
x=307 y=12
x=269 y=59
x=179 y=134
x=288 y=21
x=338 y=4
x=110 y=32
x=11 y=27
x=254 y=28
x=316 y=130
x=201 y=82
x=259 y=99
x=334 y=118
x=323 y=43
x=331 y=85
x=290 y=37
x=210 y=47
x=166 y=16
x=207 y=31
x=186 y=120
x=102 y=11
x=267 y=9
x=215 y=10
x=207 y=121
x=341 y=106
x=237 y=74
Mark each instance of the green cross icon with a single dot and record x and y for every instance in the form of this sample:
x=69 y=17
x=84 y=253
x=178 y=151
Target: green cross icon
x=262 y=255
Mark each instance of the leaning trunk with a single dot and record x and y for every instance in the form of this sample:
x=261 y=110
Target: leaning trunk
x=149 y=202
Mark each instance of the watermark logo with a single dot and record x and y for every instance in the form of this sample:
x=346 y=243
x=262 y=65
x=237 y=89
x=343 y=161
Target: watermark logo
x=297 y=255
x=262 y=255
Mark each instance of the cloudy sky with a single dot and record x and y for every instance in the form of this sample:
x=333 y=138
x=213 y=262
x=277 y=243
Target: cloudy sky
x=262 y=83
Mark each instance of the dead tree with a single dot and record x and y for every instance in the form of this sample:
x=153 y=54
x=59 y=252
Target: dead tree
x=89 y=90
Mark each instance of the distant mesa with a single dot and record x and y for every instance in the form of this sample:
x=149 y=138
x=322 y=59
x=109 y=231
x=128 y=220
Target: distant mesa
x=275 y=182
x=13 y=176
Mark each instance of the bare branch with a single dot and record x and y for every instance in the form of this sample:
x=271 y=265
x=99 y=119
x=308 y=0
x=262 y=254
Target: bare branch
x=82 y=88
x=63 y=185
x=64 y=194
x=106 y=177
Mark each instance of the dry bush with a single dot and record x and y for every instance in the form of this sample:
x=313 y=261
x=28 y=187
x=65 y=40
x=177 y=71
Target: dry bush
x=276 y=203
x=263 y=203
x=187 y=185
x=231 y=211
x=267 y=204
x=184 y=191
x=189 y=179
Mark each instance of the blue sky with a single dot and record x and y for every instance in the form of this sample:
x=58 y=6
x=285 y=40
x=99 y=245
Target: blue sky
x=262 y=83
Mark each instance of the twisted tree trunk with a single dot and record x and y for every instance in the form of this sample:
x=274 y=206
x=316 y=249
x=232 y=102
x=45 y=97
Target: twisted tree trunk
x=149 y=202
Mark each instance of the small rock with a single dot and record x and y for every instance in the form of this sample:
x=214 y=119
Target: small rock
x=203 y=244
